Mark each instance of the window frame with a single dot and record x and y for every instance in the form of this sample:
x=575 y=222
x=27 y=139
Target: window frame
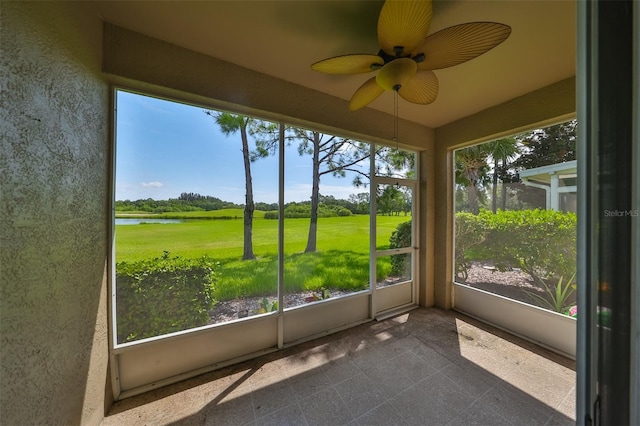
x=124 y=356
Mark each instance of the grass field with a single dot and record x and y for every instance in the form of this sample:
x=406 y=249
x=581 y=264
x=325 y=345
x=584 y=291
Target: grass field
x=341 y=261
x=224 y=238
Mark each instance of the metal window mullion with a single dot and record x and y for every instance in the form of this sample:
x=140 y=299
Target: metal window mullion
x=372 y=231
x=587 y=261
x=415 y=225
x=281 y=176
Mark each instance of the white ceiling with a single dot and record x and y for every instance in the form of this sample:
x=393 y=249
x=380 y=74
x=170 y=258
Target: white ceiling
x=283 y=38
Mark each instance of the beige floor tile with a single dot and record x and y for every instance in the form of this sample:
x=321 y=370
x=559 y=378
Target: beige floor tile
x=425 y=367
x=326 y=408
x=360 y=394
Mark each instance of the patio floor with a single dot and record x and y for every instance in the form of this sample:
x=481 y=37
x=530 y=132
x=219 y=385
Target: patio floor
x=426 y=367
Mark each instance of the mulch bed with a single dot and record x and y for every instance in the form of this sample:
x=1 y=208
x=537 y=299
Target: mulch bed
x=513 y=284
x=239 y=308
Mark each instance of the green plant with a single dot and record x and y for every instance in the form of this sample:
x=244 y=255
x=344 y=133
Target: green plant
x=342 y=211
x=540 y=242
x=557 y=297
x=267 y=306
x=163 y=295
x=322 y=295
x=400 y=238
x=470 y=231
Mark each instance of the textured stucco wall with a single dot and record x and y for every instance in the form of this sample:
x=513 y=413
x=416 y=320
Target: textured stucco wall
x=54 y=186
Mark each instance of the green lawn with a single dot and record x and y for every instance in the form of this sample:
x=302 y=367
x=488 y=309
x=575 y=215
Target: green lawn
x=224 y=238
x=341 y=260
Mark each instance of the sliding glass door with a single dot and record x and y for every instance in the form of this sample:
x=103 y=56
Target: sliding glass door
x=608 y=363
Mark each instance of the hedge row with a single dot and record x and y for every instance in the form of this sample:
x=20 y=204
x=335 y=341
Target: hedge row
x=163 y=295
x=295 y=211
x=540 y=242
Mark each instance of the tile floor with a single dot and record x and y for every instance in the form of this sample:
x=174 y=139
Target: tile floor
x=426 y=367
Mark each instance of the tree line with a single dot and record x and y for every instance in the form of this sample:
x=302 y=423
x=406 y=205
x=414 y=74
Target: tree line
x=391 y=201
x=186 y=202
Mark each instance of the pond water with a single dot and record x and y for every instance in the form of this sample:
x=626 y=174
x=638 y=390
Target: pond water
x=138 y=221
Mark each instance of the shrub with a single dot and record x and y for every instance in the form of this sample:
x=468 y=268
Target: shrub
x=557 y=297
x=303 y=210
x=540 y=242
x=401 y=237
x=271 y=214
x=163 y=295
x=294 y=210
x=342 y=211
x=470 y=231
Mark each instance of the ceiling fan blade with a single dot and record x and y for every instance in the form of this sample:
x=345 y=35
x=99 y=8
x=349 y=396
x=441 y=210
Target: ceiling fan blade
x=421 y=89
x=460 y=43
x=365 y=94
x=349 y=64
x=403 y=23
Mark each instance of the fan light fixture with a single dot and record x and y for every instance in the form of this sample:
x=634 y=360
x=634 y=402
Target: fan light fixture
x=396 y=74
x=407 y=56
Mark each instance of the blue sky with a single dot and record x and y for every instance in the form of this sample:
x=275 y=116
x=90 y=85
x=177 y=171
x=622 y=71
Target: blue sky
x=166 y=148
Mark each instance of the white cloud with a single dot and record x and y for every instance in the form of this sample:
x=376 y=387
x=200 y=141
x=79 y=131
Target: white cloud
x=154 y=184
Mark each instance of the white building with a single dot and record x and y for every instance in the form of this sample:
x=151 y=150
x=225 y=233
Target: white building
x=558 y=181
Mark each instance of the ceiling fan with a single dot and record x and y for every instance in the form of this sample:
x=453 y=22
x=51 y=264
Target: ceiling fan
x=407 y=56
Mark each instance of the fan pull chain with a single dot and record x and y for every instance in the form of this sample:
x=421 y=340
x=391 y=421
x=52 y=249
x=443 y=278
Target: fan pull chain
x=395 y=125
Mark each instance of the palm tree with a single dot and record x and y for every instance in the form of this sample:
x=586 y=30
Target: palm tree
x=501 y=152
x=230 y=124
x=471 y=169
